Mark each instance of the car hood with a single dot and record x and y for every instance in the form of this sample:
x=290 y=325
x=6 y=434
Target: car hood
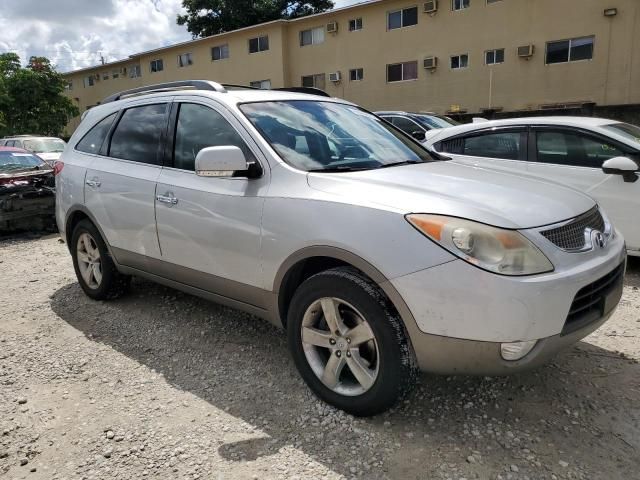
x=448 y=188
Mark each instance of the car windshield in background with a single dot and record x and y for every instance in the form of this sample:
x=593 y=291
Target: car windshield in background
x=434 y=121
x=13 y=161
x=44 y=145
x=327 y=136
x=631 y=132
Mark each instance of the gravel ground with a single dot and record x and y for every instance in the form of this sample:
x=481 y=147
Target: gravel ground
x=160 y=384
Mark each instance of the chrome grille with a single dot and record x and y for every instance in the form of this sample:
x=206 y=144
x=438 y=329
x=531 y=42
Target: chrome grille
x=571 y=236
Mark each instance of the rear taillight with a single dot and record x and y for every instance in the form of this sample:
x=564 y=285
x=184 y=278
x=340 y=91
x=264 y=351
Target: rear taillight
x=57 y=167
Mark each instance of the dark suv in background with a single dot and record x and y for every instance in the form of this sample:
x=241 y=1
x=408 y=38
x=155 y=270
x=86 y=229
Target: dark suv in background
x=417 y=124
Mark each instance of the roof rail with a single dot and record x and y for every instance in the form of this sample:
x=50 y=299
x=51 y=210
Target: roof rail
x=167 y=87
x=307 y=90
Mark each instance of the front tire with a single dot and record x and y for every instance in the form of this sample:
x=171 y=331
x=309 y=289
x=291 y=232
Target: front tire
x=95 y=269
x=349 y=343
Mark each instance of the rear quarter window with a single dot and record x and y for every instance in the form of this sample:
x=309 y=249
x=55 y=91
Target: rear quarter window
x=94 y=138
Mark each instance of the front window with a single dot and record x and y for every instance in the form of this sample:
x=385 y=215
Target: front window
x=16 y=161
x=327 y=136
x=44 y=145
x=569 y=148
x=398 y=72
x=630 y=132
x=571 y=50
x=313 y=36
x=259 y=44
x=402 y=18
x=436 y=121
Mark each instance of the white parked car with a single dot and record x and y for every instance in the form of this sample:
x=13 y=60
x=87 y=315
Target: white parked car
x=47 y=148
x=373 y=254
x=596 y=156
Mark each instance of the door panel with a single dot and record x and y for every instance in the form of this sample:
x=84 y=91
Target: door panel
x=574 y=158
x=209 y=224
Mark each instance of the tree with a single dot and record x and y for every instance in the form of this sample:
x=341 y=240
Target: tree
x=210 y=17
x=31 y=98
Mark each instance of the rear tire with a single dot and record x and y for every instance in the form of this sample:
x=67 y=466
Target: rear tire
x=95 y=269
x=348 y=342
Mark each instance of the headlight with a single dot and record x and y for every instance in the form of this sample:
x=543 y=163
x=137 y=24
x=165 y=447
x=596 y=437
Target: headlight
x=497 y=250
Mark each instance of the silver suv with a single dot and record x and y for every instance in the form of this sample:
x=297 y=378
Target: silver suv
x=376 y=256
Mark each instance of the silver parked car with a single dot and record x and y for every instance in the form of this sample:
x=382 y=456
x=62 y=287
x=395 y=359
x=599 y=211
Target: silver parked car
x=376 y=256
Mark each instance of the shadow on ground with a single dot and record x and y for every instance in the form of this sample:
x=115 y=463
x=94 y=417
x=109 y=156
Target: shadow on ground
x=241 y=365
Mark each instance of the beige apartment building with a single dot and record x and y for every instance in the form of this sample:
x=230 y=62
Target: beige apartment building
x=443 y=56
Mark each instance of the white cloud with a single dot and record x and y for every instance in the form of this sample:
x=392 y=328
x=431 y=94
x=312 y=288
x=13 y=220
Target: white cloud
x=75 y=33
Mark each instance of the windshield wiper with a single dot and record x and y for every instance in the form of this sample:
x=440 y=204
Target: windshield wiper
x=338 y=169
x=397 y=164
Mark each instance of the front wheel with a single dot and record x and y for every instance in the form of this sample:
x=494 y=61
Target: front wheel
x=348 y=342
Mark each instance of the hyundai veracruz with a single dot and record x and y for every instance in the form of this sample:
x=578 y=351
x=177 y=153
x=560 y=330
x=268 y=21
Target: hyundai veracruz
x=376 y=256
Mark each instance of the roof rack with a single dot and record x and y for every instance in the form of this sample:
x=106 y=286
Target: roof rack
x=307 y=90
x=167 y=87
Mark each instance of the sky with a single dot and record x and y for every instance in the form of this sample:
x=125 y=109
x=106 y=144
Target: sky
x=76 y=33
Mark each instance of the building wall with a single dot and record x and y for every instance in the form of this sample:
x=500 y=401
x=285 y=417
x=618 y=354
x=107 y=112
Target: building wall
x=612 y=77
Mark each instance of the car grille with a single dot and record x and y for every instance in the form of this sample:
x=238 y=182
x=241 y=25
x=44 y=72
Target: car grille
x=595 y=300
x=571 y=236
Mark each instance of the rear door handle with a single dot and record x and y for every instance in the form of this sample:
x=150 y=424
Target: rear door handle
x=167 y=198
x=93 y=183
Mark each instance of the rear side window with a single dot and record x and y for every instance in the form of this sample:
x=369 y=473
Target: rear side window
x=496 y=145
x=569 y=148
x=137 y=136
x=94 y=138
x=198 y=127
x=406 y=125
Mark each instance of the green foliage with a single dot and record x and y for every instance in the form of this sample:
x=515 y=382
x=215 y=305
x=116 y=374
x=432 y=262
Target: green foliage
x=31 y=98
x=210 y=17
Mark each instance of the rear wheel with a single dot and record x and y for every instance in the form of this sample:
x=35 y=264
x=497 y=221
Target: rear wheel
x=96 y=271
x=348 y=342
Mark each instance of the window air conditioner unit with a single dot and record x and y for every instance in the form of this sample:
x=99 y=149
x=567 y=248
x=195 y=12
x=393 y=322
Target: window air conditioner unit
x=332 y=27
x=431 y=7
x=430 y=63
x=526 y=51
x=335 y=77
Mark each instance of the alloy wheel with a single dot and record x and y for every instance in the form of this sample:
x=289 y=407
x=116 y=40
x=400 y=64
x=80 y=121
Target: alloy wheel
x=89 y=262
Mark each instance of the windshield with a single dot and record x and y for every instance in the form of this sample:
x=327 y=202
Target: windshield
x=44 y=145
x=435 y=121
x=323 y=136
x=630 y=132
x=11 y=161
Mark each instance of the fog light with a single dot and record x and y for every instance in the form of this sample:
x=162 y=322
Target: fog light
x=516 y=350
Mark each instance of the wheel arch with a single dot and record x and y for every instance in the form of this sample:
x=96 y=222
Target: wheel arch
x=77 y=213
x=311 y=260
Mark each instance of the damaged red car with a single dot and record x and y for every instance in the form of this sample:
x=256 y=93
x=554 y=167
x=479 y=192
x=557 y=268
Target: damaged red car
x=27 y=191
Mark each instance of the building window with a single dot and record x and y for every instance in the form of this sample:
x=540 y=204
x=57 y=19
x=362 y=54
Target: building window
x=220 y=52
x=459 y=61
x=105 y=76
x=356 y=74
x=491 y=57
x=259 y=44
x=313 y=36
x=402 y=18
x=68 y=85
x=89 y=81
x=261 y=84
x=314 y=81
x=157 y=65
x=115 y=73
x=571 y=50
x=355 y=24
x=489 y=2
x=185 y=59
x=398 y=72
x=134 y=71
x=459 y=4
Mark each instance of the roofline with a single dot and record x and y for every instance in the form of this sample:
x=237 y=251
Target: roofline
x=134 y=56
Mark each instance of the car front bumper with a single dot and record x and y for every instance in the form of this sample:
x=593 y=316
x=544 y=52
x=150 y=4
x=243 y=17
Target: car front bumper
x=461 y=315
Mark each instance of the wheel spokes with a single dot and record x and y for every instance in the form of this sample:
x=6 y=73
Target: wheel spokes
x=316 y=337
x=361 y=370
x=87 y=274
x=360 y=334
x=97 y=273
x=83 y=257
x=332 y=371
x=332 y=315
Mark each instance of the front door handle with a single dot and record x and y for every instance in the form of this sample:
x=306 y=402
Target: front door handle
x=167 y=198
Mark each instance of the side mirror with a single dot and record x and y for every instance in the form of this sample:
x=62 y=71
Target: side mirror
x=621 y=166
x=419 y=135
x=220 y=161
